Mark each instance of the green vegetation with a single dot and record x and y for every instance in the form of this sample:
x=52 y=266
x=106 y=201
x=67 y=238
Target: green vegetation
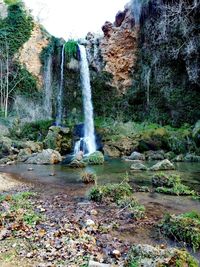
x=12 y=2
x=35 y=131
x=96 y=158
x=130 y=202
x=112 y=192
x=146 y=255
x=71 y=50
x=184 y=227
x=16 y=28
x=16 y=210
x=171 y=185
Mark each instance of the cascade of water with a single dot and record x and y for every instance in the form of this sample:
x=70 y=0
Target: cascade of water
x=60 y=94
x=89 y=143
x=48 y=88
x=136 y=7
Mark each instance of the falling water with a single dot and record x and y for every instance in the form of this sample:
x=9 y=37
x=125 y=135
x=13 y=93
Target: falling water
x=136 y=7
x=60 y=94
x=48 y=88
x=89 y=144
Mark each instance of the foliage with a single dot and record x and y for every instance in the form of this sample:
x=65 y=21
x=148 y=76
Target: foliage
x=12 y=2
x=96 y=158
x=35 y=130
x=16 y=28
x=131 y=203
x=112 y=192
x=71 y=50
x=145 y=255
x=172 y=185
x=18 y=209
x=184 y=227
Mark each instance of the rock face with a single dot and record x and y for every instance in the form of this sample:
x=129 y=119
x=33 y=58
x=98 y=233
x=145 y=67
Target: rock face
x=29 y=54
x=45 y=157
x=118 y=49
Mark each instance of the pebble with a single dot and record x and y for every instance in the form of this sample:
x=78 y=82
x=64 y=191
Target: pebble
x=89 y=223
x=93 y=212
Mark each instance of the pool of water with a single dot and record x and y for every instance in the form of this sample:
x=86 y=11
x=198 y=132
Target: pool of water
x=113 y=170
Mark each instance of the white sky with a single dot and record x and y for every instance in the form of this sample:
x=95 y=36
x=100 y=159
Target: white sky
x=74 y=18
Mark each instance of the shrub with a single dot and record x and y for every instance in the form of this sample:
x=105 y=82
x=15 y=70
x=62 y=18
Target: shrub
x=184 y=227
x=88 y=177
x=111 y=192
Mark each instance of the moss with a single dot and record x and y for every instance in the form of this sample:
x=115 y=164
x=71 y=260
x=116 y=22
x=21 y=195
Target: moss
x=183 y=227
x=71 y=50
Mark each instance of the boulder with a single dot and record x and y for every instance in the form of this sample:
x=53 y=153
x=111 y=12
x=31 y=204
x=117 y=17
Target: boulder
x=59 y=139
x=45 y=157
x=77 y=164
x=163 y=165
x=6 y=147
x=111 y=151
x=136 y=156
x=192 y=158
x=138 y=167
x=155 y=155
x=179 y=158
x=159 y=180
x=24 y=154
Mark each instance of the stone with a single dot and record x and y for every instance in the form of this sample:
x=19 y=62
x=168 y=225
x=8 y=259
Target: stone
x=59 y=139
x=45 y=157
x=160 y=180
x=138 y=167
x=192 y=158
x=155 y=155
x=163 y=165
x=136 y=156
x=89 y=223
x=97 y=264
x=24 y=154
x=29 y=54
x=111 y=151
x=118 y=50
x=93 y=212
x=77 y=164
x=179 y=158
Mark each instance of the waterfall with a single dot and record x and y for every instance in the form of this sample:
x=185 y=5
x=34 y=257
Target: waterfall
x=60 y=94
x=136 y=7
x=89 y=143
x=48 y=88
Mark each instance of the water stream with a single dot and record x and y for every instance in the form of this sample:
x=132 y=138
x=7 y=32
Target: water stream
x=48 y=88
x=60 y=93
x=89 y=143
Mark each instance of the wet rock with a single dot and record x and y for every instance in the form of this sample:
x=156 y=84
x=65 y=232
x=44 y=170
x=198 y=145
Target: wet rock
x=136 y=156
x=45 y=157
x=163 y=165
x=59 y=139
x=179 y=158
x=77 y=164
x=155 y=155
x=192 y=158
x=138 y=167
x=161 y=180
